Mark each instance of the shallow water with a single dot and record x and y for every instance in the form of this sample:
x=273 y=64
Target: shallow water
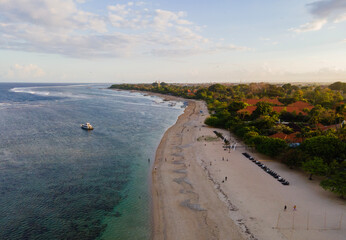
x=58 y=181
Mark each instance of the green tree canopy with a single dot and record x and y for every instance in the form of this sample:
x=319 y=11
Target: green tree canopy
x=269 y=146
x=293 y=157
x=263 y=108
x=336 y=182
x=315 y=166
x=338 y=86
x=217 y=88
x=326 y=147
x=236 y=105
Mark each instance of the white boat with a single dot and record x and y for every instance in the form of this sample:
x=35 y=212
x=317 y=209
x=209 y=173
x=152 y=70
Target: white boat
x=87 y=126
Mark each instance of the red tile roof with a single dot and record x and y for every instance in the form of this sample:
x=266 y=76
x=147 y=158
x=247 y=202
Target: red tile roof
x=288 y=137
x=248 y=109
x=277 y=109
x=301 y=105
x=325 y=128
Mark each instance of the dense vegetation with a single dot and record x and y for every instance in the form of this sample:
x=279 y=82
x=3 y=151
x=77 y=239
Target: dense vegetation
x=322 y=150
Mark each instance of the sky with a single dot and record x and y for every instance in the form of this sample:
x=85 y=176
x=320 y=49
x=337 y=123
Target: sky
x=174 y=41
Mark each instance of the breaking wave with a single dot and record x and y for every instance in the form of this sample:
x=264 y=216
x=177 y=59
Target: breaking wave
x=30 y=91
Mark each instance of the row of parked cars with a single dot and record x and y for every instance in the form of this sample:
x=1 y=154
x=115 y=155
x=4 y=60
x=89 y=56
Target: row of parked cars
x=267 y=169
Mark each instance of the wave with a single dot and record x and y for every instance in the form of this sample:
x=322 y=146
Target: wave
x=30 y=91
x=36 y=91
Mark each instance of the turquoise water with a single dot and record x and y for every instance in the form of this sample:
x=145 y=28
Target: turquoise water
x=58 y=181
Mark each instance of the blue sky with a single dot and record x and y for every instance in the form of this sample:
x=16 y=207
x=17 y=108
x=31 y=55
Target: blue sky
x=173 y=41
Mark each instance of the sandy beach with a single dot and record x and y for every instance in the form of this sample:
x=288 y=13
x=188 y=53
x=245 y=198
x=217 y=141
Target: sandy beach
x=202 y=191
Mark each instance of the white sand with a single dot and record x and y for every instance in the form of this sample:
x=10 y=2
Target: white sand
x=191 y=201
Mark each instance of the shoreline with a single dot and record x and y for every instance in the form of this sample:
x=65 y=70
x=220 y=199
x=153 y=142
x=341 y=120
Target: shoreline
x=193 y=199
x=179 y=186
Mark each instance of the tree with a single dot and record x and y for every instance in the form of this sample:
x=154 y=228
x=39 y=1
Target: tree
x=315 y=114
x=249 y=136
x=338 y=86
x=236 y=105
x=240 y=129
x=217 y=88
x=326 y=147
x=203 y=93
x=287 y=86
x=315 y=166
x=265 y=122
x=269 y=146
x=155 y=84
x=212 y=121
x=263 y=108
x=336 y=182
x=298 y=95
x=293 y=157
x=282 y=128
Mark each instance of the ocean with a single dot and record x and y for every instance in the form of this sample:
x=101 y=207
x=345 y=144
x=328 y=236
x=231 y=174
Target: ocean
x=58 y=181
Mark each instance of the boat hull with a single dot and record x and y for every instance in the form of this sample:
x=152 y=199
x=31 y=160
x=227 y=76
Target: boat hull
x=85 y=128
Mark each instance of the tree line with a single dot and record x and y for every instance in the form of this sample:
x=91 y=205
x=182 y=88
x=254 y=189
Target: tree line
x=321 y=151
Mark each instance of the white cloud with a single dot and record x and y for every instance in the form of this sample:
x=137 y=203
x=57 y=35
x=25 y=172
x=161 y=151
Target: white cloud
x=323 y=11
x=340 y=18
x=61 y=27
x=29 y=71
x=311 y=26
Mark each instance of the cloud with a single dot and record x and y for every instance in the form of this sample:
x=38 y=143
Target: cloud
x=51 y=15
x=178 y=52
x=323 y=11
x=332 y=9
x=62 y=27
x=311 y=26
x=341 y=18
x=29 y=71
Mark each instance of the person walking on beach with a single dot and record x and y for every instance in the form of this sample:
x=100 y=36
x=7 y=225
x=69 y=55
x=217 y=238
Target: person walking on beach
x=295 y=208
x=285 y=208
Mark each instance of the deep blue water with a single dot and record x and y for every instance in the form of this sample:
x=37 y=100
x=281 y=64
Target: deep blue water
x=58 y=181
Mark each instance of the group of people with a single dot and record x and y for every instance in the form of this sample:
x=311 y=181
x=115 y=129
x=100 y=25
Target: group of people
x=294 y=208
